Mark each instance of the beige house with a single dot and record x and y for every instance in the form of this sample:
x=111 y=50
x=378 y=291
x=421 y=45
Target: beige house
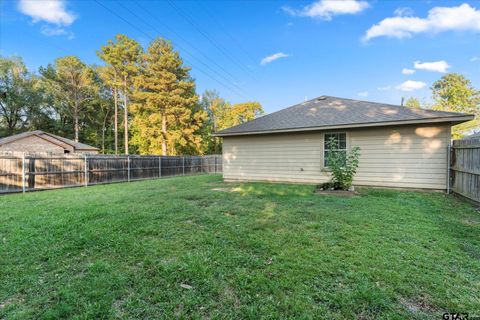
x=399 y=146
x=43 y=142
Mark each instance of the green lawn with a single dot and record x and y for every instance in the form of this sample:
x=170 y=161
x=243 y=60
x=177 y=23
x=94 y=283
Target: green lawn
x=176 y=248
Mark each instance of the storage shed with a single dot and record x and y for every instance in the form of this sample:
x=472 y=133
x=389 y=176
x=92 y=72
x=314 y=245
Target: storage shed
x=399 y=146
x=43 y=142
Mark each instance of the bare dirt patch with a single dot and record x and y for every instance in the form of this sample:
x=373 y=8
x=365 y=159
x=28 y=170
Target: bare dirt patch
x=418 y=307
x=470 y=222
x=222 y=189
x=341 y=193
x=227 y=189
x=10 y=301
x=231 y=295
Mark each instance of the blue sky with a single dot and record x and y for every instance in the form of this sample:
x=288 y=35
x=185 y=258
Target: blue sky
x=275 y=52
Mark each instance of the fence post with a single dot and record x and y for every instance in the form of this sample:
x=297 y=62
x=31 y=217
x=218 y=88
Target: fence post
x=160 y=166
x=23 y=173
x=128 y=168
x=215 y=158
x=449 y=154
x=86 y=170
x=183 y=165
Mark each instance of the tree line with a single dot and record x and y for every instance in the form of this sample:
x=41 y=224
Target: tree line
x=140 y=101
x=144 y=101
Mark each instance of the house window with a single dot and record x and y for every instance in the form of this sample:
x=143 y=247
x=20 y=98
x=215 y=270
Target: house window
x=340 y=137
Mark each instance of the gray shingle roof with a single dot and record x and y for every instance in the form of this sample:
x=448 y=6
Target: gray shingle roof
x=326 y=111
x=74 y=144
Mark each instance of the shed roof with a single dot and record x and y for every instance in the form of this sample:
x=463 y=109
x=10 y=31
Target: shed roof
x=77 y=146
x=326 y=112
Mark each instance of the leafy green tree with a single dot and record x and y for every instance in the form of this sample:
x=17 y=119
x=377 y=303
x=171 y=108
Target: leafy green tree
x=243 y=112
x=57 y=111
x=166 y=119
x=222 y=115
x=232 y=115
x=71 y=84
x=343 y=165
x=123 y=56
x=217 y=110
x=413 y=103
x=20 y=97
x=99 y=115
x=212 y=103
x=454 y=92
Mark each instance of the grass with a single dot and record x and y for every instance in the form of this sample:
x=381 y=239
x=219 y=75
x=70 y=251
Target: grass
x=176 y=248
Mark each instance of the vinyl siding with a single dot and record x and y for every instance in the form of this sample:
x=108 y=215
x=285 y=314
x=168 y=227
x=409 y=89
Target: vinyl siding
x=407 y=157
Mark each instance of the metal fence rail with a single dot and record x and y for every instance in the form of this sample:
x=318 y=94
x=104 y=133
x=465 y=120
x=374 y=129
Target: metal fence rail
x=36 y=172
x=465 y=168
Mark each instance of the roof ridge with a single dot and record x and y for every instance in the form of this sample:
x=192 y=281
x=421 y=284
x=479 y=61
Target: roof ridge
x=400 y=106
x=65 y=140
x=71 y=142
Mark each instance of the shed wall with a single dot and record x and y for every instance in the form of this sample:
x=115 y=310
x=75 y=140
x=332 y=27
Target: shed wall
x=32 y=144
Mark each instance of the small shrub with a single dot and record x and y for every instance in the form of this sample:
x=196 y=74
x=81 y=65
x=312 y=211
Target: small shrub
x=343 y=165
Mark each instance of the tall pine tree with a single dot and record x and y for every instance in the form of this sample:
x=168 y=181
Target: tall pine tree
x=122 y=55
x=166 y=115
x=110 y=78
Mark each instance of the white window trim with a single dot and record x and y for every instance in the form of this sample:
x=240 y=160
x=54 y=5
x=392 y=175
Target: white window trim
x=347 y=146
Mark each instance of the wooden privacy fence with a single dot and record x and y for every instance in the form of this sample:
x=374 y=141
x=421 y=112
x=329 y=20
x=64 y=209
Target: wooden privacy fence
x=465 y=168
x=33 y=172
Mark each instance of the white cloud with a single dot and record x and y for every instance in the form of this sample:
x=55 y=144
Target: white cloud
x=403 y=11
x=326 y=9
x=411 y=85
x=408 y=71
x=473 y=59
x=274 y=57
x=439 y=19
x=436 y=66
x=386 y=88
x=51 y=11
x=363 y=94
x=56 y=31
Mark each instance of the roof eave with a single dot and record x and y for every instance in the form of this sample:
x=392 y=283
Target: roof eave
x=87 y=149
x=452 y=120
